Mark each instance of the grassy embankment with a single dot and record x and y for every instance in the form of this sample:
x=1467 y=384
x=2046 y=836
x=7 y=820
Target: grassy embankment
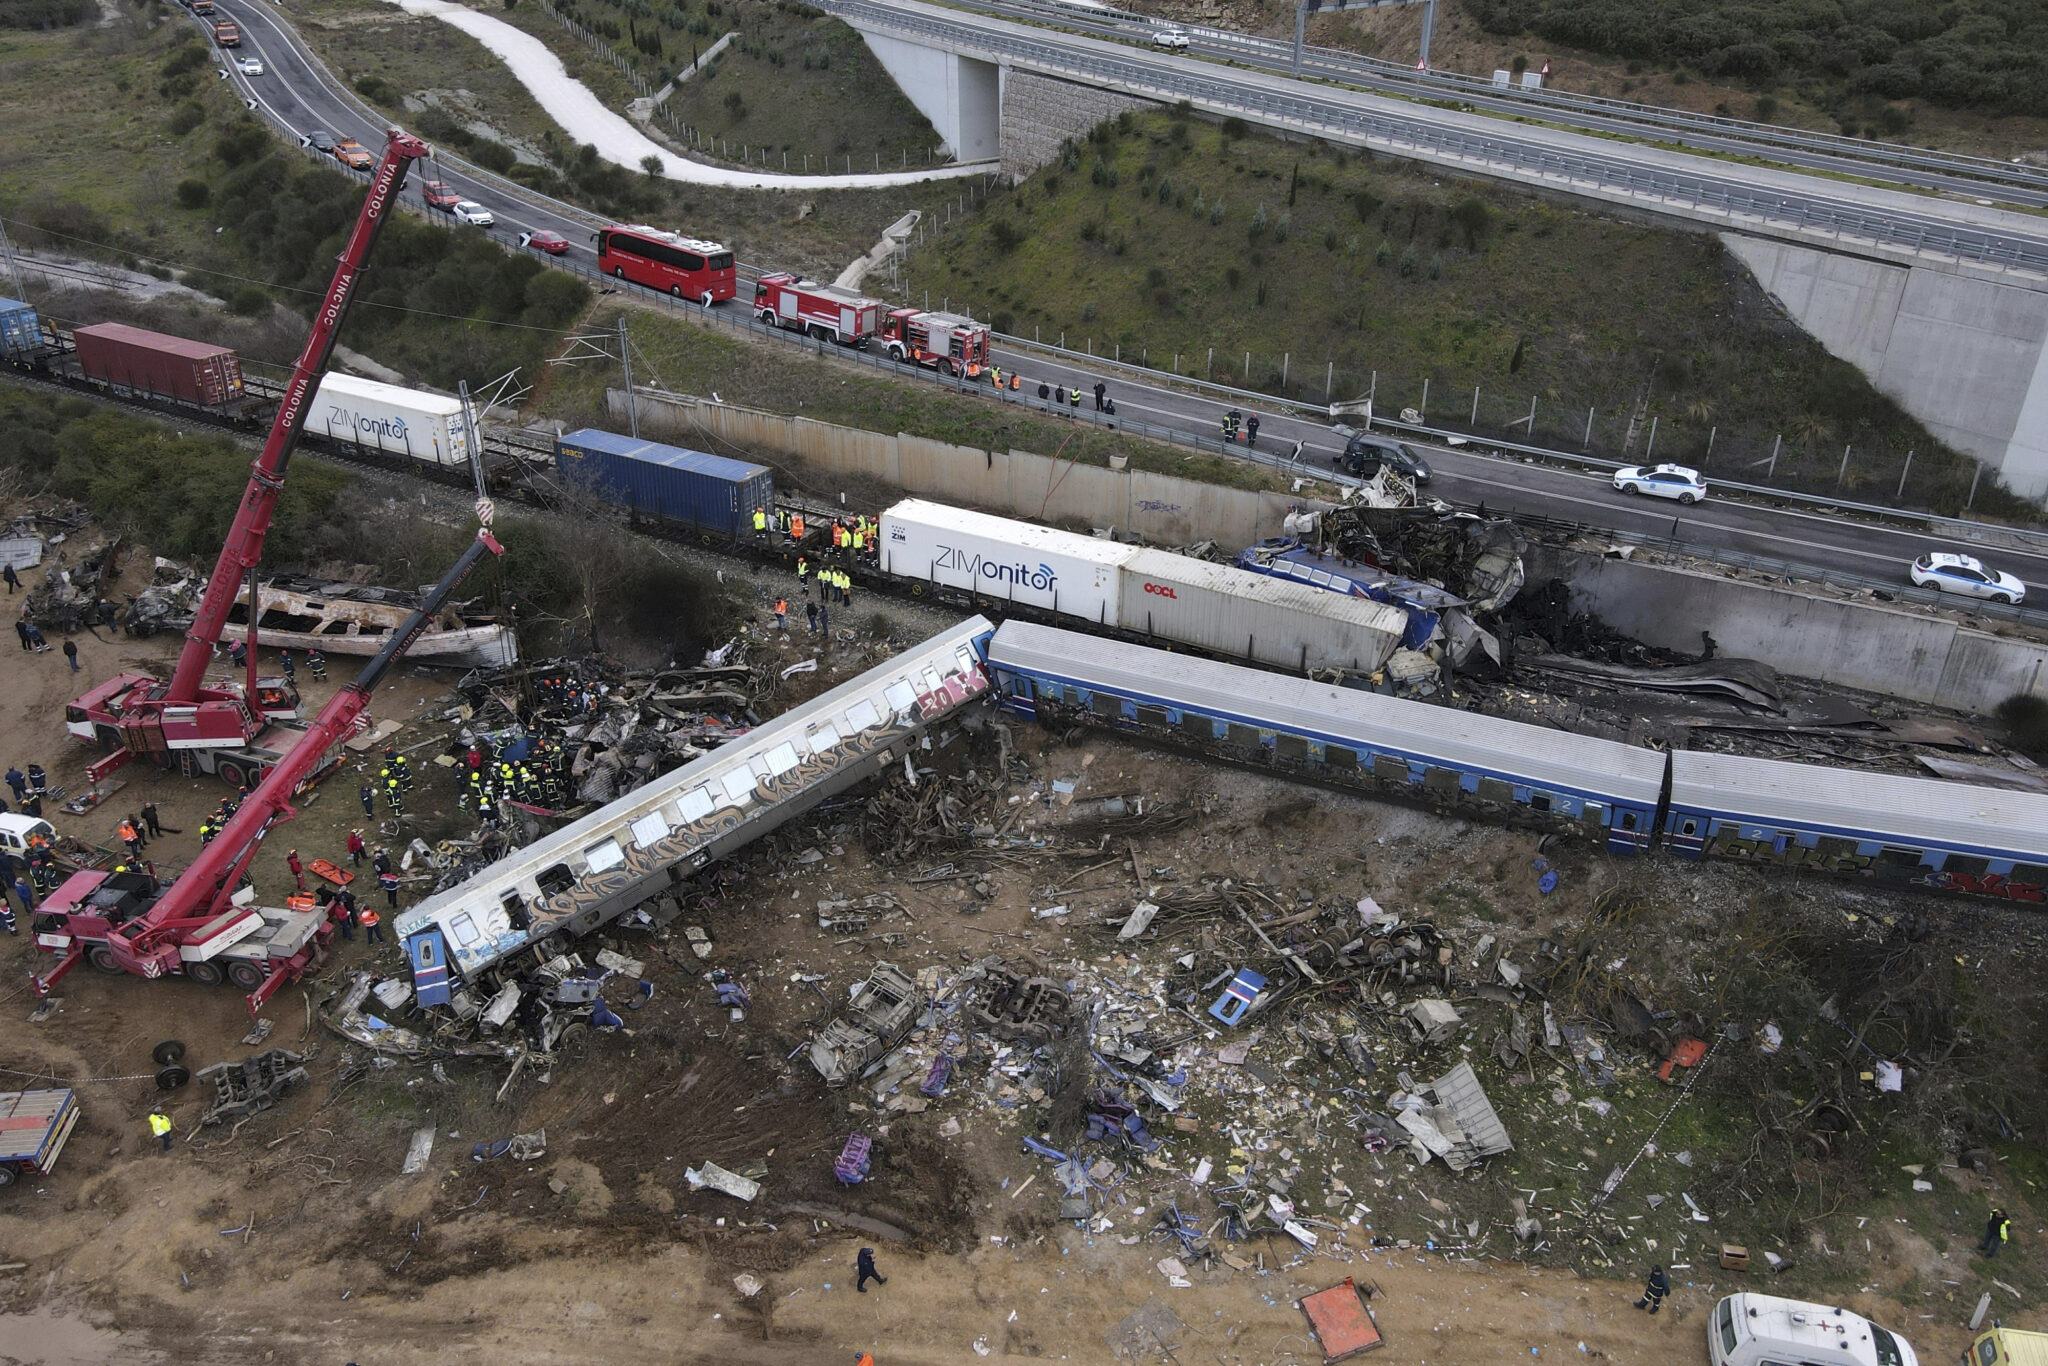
x=1180 y=240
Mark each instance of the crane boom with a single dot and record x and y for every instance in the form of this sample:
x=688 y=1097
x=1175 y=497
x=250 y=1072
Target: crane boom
x=243 y=548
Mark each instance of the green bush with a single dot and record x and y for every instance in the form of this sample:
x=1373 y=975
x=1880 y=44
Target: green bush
x=193 y=194
x=250 y=301
x=243 y=143
x=376 y=90
x=492 y=155
x=185 y=118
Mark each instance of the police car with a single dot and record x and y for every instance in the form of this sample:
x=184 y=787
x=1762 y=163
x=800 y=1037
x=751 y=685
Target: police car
x=1967 y=575
x=1662 y=481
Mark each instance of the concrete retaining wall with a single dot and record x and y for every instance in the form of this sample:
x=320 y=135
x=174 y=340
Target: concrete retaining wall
x=1965 y=353
x=1860 y=645
x=1041 y=112
x=1164 y=509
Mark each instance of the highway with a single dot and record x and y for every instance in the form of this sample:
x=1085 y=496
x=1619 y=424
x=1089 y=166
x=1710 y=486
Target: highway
x=297 y=94
x=1834 y=154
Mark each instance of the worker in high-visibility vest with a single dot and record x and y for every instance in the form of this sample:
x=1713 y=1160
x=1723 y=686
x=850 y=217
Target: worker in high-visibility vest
x=760 y=524
x=372 y=923
x=796 y=526
x=803 y=575
x=160 y=1127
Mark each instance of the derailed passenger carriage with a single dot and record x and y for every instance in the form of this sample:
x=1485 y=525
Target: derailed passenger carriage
x=590 y=873
x=1952 y=836
x=1444 y=758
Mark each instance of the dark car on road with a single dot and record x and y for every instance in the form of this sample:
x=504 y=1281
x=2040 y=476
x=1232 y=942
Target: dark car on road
x=1364 y=453
x=320 y=141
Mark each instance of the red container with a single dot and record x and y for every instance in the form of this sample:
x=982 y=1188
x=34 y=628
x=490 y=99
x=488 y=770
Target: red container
x=135 y=358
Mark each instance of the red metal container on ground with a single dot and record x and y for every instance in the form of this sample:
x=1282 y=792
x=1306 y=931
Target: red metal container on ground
x=153 y=363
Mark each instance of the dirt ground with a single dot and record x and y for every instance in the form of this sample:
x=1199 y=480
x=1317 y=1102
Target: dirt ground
x=295 y=1238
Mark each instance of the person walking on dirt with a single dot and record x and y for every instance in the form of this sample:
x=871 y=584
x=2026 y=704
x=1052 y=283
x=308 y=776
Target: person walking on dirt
x=160 y=1126
x=317 y=662
x=782 y=616
x=389 y=882
x=130 y=838
x=291 y=861
x=13 y=579
x=1997 y=1230
x=71 y=654
x=1654 y=1290
x=17 y=781
x=151 y=819
x=864 y=1268
x=368 y=796
x=356 y=847
x=811 y=616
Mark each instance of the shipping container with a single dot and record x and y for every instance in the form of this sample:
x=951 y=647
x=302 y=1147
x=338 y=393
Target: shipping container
x=995 y=557
x=384 y=417
x=1241 y=615
x=152 y=363
x=665 y=483
x=21 y=332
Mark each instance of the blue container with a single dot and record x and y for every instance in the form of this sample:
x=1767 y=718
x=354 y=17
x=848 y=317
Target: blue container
x=21 y=334
x=665 y=483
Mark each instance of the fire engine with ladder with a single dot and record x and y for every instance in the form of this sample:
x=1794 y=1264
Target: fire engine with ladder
x=206 y=925
x=824 y=312
x=239 y=730
x=952 y=344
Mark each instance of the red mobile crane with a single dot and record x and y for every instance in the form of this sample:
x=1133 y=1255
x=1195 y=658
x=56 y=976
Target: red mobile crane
x=223 y=727
x=203 y=925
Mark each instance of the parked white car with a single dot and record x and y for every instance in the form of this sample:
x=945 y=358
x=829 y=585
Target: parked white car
x=248 y=66
x=471 y=212
x=1969 y=576
x=1170 y=37
x=1662 y=481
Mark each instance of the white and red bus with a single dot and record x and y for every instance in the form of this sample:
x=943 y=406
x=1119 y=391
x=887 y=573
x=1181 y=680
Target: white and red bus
x=682 y=266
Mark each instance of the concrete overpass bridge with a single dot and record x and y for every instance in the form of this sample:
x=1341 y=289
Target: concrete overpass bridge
x=1941 y=301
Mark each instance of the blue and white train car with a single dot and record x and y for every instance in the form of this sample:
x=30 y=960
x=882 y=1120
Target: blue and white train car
x=1359 y=739
x=596 y=869
x=1956 y=836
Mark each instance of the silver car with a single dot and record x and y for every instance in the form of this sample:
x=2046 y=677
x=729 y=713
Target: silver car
x=1662 y=481
x=473 y=213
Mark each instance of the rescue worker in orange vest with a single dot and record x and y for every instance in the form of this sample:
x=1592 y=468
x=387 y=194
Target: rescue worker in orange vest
x=1016 y=383
x=782 y=615
x=372 y=923
x=996 y=373
x=796 y=526
x=974 y=369
x=838 y=535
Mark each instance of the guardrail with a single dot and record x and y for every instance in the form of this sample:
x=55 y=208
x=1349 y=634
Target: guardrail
x=1311 y=108
x=1792 y=570
x=1435 y=83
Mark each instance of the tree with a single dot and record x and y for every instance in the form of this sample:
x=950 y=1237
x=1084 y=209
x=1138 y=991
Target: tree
x=651 y=163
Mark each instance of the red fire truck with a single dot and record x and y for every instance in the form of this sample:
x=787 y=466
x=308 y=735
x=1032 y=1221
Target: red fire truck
x=826 y=312
x=955 y=345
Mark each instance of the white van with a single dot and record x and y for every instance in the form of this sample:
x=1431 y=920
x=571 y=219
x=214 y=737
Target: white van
x=16 y=828
x=1763 y=1330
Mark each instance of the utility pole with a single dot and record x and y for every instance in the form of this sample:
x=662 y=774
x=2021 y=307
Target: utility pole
x=13 y=267
x=626 y=360
x=1428 y=28
x=1300 y=29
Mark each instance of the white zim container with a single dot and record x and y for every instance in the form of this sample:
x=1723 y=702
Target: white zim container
x=1236 y=614
x=384 y=417
x=995 y=557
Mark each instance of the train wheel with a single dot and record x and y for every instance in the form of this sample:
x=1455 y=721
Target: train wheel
x=917 y=590
x=172 y=1077
x=207 y=974
x=102 y=958
x=245 y=975
x=167 y=1052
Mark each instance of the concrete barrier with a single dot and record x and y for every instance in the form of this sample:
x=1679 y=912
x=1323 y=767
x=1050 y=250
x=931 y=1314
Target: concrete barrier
x=1862 y=645
x=1164 y=509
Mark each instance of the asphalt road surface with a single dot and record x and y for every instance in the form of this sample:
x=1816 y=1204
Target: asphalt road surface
x=297 y=95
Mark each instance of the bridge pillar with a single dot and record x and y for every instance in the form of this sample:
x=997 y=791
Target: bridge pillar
x=962 y=96
x=1965 y=353
x=1041 y=112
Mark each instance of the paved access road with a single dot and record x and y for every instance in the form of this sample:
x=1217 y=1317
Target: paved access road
x=297 y=95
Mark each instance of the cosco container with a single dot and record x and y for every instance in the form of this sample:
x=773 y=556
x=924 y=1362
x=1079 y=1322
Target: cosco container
x=152 y=363
x=21 y=334
x=666 y=483
x=1237 y=614
x=384 y=417
x=994 y=557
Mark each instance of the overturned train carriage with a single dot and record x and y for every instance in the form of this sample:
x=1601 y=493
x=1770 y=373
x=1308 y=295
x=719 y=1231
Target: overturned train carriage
x=595 y=870
x=1357 y=739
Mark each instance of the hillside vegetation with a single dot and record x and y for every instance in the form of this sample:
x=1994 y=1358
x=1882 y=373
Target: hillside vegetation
x=1966 y=54
x=1189 y=244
